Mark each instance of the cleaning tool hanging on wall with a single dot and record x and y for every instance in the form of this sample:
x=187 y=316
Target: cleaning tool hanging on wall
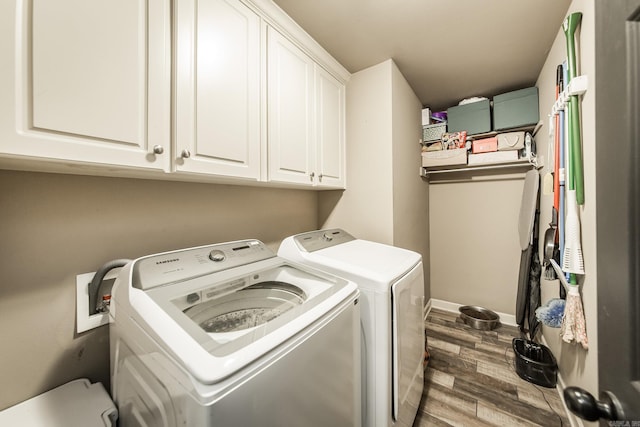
x=573 y=328
x=572 y=260
x=562 y=177
x=552 y=312
x=573 y=323
x=556 y=149
x=569 y=26
x=551 y=236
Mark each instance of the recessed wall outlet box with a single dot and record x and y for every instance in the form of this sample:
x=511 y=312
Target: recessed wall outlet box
x=84 y=321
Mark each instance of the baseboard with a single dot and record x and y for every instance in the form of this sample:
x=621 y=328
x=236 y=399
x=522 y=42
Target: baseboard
x=505 y=319
x=426 y=310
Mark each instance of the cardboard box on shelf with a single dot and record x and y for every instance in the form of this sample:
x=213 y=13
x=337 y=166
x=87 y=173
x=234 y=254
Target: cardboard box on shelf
x=457 y=156
x=494 y=157
x=484 y=145
x=510 y=141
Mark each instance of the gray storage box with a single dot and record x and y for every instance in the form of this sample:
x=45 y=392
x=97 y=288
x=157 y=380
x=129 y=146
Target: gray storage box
x=516 y=109
x=433 y=132
x=475 y=118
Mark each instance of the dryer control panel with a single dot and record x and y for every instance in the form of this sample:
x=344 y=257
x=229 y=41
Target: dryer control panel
x=321 y=239
x=171 y=267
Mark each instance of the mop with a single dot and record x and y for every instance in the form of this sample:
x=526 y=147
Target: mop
x=573 y=326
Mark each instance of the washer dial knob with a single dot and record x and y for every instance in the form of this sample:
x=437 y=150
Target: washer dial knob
x=216 y=255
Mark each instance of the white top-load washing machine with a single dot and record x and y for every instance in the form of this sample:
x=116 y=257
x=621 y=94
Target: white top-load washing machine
x=391 y=283
x=232 y=335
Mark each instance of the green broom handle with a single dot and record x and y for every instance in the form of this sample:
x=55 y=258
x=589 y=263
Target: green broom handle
x=569 y=26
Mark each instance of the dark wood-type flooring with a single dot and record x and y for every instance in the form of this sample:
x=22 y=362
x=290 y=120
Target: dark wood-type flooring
x=471 y=380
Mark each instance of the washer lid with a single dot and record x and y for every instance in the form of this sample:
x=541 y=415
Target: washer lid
x=362 y=258
x=249 y=303
x=336 y=251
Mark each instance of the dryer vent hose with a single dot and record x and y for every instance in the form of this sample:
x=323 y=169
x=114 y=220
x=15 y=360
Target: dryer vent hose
x=94 y=286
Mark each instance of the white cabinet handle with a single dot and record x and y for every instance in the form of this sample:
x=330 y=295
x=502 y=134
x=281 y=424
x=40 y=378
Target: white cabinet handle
x=320 y=177
x=311 y=175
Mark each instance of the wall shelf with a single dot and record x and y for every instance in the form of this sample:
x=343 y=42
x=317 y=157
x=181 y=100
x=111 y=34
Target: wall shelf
x=489 y=168
x=466 y=169
x=532 y=129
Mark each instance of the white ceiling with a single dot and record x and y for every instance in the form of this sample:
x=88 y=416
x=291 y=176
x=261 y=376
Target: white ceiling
x=447 y=49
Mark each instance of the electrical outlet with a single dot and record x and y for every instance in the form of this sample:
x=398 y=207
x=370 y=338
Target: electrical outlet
x=84 y=320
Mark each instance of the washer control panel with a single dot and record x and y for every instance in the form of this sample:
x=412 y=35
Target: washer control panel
x=321 y=239
x=170 y=267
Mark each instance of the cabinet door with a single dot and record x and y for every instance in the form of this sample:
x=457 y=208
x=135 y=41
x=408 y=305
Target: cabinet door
x=217 y=88
x=290 y=112
x=330 y=115
x=86 y=81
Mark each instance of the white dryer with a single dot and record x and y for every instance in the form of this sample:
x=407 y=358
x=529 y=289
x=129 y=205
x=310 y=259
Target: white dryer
x=232 y=335
x=391 y=283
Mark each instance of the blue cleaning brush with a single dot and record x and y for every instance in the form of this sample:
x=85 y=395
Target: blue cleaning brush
x=551 y=313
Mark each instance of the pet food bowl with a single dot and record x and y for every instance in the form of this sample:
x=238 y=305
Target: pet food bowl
x=535 y=363
x=479 y=317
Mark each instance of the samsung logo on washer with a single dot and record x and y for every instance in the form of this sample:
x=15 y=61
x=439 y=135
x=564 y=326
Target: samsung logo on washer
x=167 y=261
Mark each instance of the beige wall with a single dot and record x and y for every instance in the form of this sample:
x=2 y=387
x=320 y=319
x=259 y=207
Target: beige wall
x=365 y=208
x=475 y=252
x=56 y=226
x=410 y=193
x=577 y=367
x=386 y=200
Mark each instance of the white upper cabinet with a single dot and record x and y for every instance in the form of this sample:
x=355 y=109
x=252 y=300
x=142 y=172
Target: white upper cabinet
x=218 y=102
x=330 y=117
x=290 y=112
x=305 y=118
x=202 y=90
x=86 y=81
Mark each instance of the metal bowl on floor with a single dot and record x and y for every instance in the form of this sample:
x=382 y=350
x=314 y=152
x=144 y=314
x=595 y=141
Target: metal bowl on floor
x=479 y=317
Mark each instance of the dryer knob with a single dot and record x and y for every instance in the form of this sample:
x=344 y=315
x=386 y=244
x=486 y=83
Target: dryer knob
x=216 y=256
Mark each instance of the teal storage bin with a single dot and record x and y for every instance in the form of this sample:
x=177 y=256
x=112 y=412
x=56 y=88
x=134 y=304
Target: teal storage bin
x=516 y=109
x=475 y=118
